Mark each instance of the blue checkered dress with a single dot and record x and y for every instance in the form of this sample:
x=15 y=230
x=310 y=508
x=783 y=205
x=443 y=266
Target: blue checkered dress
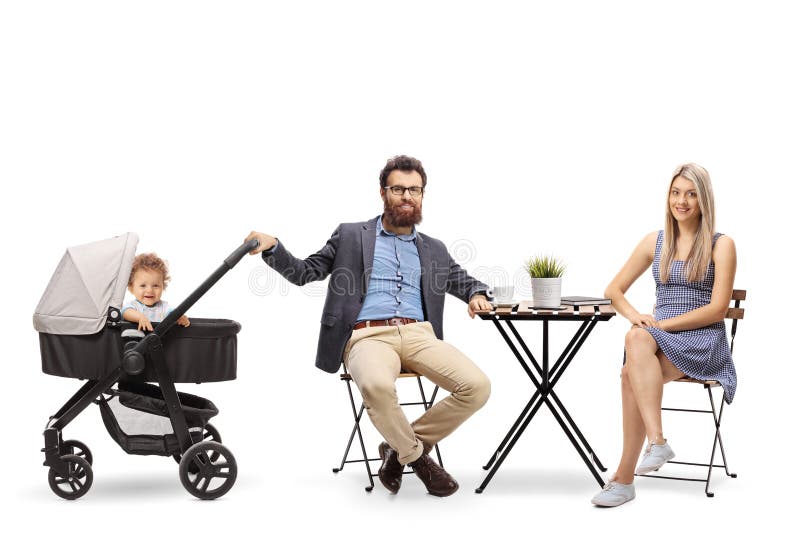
x=704 y=353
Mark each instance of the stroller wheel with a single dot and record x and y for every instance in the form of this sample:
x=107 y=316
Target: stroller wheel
x=210 y=433
x=206 y=478
x=73 y=446
x=77 y=481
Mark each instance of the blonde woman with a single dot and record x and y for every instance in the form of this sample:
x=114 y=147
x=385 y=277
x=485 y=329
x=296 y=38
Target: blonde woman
x=693 y=267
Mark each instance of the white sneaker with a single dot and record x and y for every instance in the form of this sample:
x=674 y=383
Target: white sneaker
x=654 y=458
x=614 y=494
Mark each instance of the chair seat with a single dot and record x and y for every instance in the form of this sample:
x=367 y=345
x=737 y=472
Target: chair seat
x=710 y=383
x=403 y=374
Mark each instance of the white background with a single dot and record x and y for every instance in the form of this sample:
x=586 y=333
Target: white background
x=543 y=126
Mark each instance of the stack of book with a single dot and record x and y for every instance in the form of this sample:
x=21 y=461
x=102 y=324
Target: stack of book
x=584 y=301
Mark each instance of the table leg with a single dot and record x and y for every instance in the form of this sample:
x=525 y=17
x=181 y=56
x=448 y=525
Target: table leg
x=513 y=442
x=545 y=357
x=575 y=443
x=558 y=369
x=512 y=431
x=549 y=378
x=578 y=433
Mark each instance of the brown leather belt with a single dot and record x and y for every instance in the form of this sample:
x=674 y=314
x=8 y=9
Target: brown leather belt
x=394 y=321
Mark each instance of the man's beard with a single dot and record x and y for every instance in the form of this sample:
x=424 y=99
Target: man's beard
x=400 y=218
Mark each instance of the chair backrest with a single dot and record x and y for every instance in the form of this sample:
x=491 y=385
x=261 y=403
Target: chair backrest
x=736 y=312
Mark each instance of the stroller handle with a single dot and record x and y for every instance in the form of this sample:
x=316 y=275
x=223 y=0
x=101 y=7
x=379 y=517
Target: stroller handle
x=184 y=306
x=133 y=359
x=240 y=253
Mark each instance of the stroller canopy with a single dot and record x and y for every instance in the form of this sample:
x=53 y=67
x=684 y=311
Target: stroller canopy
x=89 y=280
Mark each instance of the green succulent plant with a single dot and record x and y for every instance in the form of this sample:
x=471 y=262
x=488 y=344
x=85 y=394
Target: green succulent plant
x=545 y=267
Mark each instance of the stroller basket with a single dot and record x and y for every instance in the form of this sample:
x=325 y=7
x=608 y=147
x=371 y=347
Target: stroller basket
x=137 y=418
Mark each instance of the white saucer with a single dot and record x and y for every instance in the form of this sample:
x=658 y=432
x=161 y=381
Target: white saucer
x=509 y=304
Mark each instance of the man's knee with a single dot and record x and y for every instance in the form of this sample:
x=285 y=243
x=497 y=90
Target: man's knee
x=377 y=394
x=476 y=391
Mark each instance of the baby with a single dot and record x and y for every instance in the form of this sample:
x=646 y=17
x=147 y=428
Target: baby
x=149 y=277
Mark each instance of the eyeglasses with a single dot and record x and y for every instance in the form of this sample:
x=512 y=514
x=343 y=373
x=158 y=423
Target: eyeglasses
x=398 y=190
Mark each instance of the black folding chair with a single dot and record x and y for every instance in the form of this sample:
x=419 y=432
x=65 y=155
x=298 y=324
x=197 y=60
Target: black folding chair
x=356 y=430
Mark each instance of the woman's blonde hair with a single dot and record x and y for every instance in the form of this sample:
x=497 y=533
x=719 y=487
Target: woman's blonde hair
x=699 y=257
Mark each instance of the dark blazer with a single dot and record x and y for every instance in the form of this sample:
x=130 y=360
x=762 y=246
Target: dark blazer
x=348 y=257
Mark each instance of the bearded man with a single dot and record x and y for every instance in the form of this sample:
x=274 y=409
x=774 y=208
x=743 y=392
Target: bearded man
x=383 y=313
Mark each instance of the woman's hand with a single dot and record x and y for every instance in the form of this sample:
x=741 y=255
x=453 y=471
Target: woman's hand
x=640 y=320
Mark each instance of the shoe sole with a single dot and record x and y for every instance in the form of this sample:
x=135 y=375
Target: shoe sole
x=444 y=494
x=606 y=505
x=645 y=470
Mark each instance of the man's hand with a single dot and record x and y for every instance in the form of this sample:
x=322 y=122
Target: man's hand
x=478 y=303
x=265 y=242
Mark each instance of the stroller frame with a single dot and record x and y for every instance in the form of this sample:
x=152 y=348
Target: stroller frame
x=200 y=462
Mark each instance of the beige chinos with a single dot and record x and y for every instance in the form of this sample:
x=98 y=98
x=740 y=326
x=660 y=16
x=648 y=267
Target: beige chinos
x=374 y=357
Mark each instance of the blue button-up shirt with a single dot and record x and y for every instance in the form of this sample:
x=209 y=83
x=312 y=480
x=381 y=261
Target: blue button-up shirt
x=394 y=284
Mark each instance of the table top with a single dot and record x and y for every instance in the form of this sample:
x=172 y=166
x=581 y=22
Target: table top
x=525 y=311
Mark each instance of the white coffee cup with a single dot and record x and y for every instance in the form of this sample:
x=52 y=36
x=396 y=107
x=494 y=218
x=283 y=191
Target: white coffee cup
x=501 y=293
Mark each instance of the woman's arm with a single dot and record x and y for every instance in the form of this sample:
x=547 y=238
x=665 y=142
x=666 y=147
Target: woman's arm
x=724 y=258
x=638 y=263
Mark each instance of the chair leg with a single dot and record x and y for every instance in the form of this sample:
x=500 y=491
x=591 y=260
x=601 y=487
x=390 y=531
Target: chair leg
x=357 y=414
x=356 y=419
x=710 y=465
x=717 y=439
x=356 y=430
x=721 y=447
x=370 y=476
x=347 y=449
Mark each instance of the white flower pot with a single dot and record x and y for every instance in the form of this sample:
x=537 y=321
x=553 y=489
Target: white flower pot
x=546 y=292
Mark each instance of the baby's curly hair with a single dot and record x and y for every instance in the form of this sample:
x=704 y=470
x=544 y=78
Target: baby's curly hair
x=151 y=262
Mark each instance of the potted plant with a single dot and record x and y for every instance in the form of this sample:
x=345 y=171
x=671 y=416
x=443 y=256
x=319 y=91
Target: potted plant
x=546 y=273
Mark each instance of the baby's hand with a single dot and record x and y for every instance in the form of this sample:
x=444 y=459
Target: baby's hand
x=183 y=321
x=144 y=324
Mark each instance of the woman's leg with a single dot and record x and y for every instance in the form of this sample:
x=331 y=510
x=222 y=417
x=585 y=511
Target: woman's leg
x=644 y=374
x=646 y=379
x=648 y=370
x=633 y=427
x=633 y=432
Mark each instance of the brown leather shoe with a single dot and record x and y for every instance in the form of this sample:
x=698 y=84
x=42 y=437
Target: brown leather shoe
x=391 y=471
x=435 y=478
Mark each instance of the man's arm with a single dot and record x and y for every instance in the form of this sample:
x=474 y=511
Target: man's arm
x=460 y=284
x=297 y=271
x=467 y=288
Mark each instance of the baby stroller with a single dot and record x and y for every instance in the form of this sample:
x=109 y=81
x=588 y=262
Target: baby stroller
x=82 y=335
